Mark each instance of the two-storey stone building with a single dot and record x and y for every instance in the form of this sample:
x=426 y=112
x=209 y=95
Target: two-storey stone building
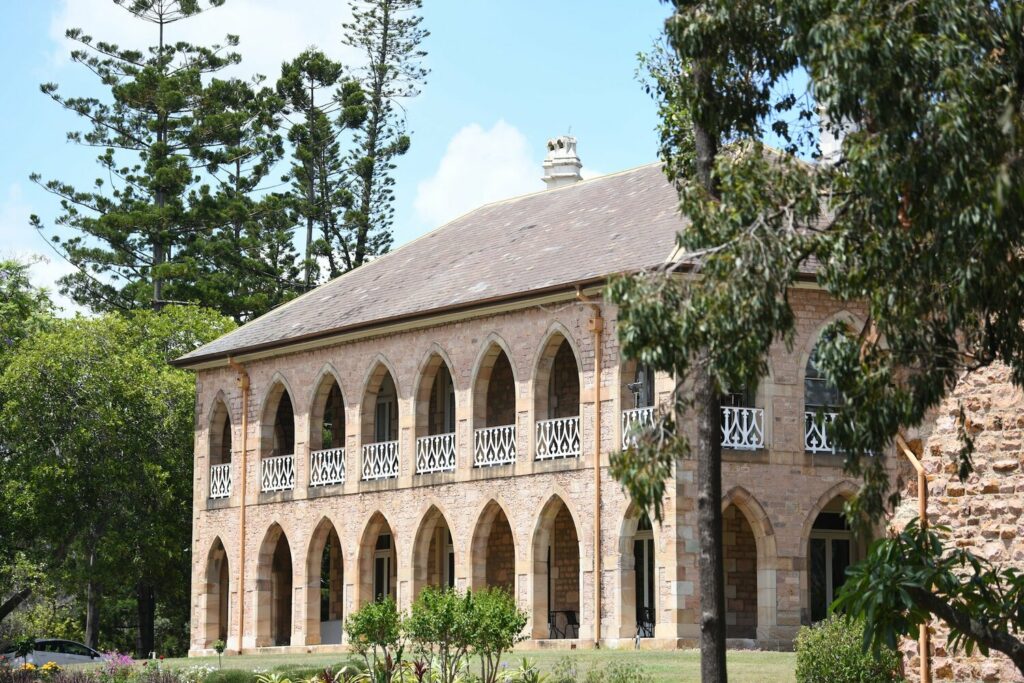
x=444 y=415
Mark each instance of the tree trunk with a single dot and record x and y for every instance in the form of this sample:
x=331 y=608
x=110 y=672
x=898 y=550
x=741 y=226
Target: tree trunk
x=145 y=601
x=709 y=443
x=709 y=521
x=11 y=603
x=92 y=613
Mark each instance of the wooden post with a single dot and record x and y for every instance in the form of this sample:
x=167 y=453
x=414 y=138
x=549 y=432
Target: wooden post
x=922 y=514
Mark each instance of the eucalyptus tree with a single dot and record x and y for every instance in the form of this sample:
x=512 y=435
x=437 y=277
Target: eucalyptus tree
x=917 y=219
x=133 y=222
x=388 y=35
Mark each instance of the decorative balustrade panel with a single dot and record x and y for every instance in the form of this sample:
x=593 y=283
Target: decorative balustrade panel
x=634 y=421
x=816 y=433
x=380 y=460
x=558 y=438
x=220 y=481
x=742 y=428
x=435 y=453
x=278 y=473
x=494 y=446
x=327 y=467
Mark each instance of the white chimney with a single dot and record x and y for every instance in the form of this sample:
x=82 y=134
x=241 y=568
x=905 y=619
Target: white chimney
x=830 y=136
x=561 y=165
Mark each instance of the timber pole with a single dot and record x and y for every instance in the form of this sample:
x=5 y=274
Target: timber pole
x=922 y=514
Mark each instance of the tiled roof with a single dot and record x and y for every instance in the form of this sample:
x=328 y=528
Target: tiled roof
x=538 y=242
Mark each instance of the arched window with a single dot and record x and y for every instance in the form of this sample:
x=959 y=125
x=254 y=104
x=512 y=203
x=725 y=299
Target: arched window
x=380 y=426
x=277 y=442
x=642 y=386
x=819 y=393
x=831 y=551
x=643 y=567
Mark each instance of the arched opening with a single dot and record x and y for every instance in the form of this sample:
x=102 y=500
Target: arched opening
x=556 y=573
x=218 y=595
x=639 y=582
x=637 y=399
x=274 y=590
x=277 y=441
x=435 y=418
x=327 y=434
x=557 y=401
x=494 y=410
x=739 y=551
x=380 y=426
x=821 y=402
x=378 y=561
x=433 y=559
x=831 y=549
x=325 y=586
x=220 y=451
x=494 y=551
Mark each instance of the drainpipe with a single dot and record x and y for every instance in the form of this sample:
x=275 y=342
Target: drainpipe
x=243 y=383
x=922 y=514
x=596 y=326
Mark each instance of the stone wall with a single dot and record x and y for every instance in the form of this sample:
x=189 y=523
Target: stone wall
x=565 y=563
x=501 y=555
x=984 y=513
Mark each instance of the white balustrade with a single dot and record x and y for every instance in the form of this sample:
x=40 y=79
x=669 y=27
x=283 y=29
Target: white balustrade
x=327 y=467
x=380 y=460
x=494 y=446
x=278 y=473
x=558 y=438
x=742 y=428
x=435 y=453
x=220 y=480
x=633 y=421
x=816 y=433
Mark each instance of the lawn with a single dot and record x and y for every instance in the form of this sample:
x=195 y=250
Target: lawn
x=666 y=666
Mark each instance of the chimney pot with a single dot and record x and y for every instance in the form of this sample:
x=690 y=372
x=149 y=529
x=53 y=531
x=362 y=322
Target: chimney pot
x=562 y=166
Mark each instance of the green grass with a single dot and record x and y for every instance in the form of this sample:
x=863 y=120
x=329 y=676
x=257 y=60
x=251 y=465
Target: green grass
x=667 y=666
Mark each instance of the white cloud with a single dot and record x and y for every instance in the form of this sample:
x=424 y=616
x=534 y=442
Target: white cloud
x=21 y=242
x=270 y=31
x=479 y=166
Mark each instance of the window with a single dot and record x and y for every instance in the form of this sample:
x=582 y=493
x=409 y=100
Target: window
x=831 y=552
x=382 y=568
x=643 y=567
x=642 y=386
x=741 y=397
x=818 y=392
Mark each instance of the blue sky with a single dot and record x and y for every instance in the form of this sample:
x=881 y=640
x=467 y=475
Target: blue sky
x=505 y=77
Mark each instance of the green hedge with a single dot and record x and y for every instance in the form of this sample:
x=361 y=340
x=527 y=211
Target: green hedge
x=832 y=651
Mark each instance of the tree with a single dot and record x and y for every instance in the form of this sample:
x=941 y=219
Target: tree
x=388 y=34
x=99 y=430
x=246 y=261
x=318 y=175
x=499 y=625
x=376 y=634
x=441 y=624
x=917 y=219
x=133 y=233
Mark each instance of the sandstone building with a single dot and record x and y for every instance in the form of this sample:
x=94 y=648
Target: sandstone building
x=444 y=416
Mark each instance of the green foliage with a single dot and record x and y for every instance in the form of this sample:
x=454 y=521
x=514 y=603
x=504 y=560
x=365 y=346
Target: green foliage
x=565 y=670
x=831 y=652
x=24 y=309
x=442 y=625
x=375 y=633
x=387 y=33
x=916 y=221
x=231 y=676
x=498 y=626
x=619 y=672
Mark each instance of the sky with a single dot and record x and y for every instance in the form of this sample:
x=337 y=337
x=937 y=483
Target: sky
x=505 y=77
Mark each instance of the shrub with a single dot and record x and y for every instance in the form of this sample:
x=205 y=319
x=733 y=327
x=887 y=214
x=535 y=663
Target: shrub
x=375 y=633
x=619 y=672
x=566 y=670
x=441 y=626
x=231 y=676
x=832 y=651
x=497 y=625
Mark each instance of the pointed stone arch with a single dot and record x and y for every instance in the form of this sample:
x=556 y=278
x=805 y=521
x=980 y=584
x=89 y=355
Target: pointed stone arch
x=435 y=389
x=377 y=566
x=846 y=489
x=493 y=549
x=495 y=385
x=220 y=432
x=216 y=595
x=557 y=553
x=274 y=588
x=432 y=554
x=751 y=557
x=327 y=411
x=827 y=539
x=639 y=586
x=277 y=431
x=380 y=387
x=557 y=375
x=325 y=585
